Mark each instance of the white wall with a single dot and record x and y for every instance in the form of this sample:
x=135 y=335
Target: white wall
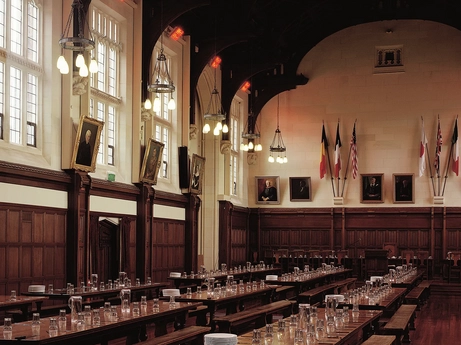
x=388 y=109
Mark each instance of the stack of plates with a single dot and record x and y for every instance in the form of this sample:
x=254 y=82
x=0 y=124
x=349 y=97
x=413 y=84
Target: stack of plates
x=37 y=288
x=272 y=277
x=220 y=339
x=375 y=278
x=339 y=298
x=175 y=275
x=171 y=292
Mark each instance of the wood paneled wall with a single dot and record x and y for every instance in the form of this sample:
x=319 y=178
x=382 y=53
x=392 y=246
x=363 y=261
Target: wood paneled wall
x=32 y=247
x=436 y=230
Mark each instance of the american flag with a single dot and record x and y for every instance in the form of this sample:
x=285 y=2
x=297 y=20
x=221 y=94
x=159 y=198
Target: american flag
x=438 y=149
x=355 y=166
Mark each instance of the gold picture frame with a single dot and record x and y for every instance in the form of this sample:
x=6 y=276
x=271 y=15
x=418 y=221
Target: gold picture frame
x=267 y=189
x=151 y=162
x=300 y=189
x=403 y=191
x=86 y=144
x=196 y=176
x=371 y=188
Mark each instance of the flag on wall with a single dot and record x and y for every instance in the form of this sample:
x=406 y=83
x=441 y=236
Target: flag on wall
x=438 y=149
x=355 y=166
x=454 y=142
x=337 y=153
x=323 y=149
x=422 y=151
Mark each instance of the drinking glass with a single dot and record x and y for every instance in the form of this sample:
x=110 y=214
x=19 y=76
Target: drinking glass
x=149 y=281
x=199 y=289
x=50 y=288
x=102 y=286
x=138 y=282
x=94 y=281
x=269 y=337
x=143 y=304
x=87 y=315
x=53 y=327
x=320 y=329
x=62 y=320
x=156 y=306
x=80 y=322
x=136 y=310
x=13 y=295
x=113 y=313
x=189 y=292
x=35 y=324
x=96 y=317
x=331 y=327
x=106 y=311
x=172 y=304
x=7 y=328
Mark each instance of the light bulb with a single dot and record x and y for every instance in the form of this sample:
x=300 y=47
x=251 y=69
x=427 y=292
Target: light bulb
x=225 y=129
x=64 y=68
x=242 y=146
x=80 y=61
x=83 y=72
x=171 y=104
x=245 y=147
x=93 y=66
x=271 y=159
x=148 y=104
x=258 y=147
x=285 y=160
x=206 y=128
x=250 y=145
x=157 y=104
x=219 y=126
x=61 y=61
x=279 y=160
x=216 y=131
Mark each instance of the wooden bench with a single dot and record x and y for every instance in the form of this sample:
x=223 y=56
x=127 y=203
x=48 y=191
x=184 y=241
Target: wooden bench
x=401 y=323
x=380 y=340
x=317 y=294
x=427 y=292
x=416 y=297
x=258 y=315
x=345 y=285
x=284 y=292
x=192 y=334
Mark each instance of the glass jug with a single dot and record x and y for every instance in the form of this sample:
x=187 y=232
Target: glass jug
x=75 y=306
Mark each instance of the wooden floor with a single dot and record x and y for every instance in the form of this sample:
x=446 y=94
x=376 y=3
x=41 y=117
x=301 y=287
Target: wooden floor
x=439 y=321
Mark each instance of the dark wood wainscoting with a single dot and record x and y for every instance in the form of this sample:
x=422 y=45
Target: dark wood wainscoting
x=433 y=230
x=32 y=247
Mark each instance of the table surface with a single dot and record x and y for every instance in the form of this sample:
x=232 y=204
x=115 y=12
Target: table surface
x=62 y=293
x=107 y=330
x=5 y=301
x=384 y=303
x=357 y=321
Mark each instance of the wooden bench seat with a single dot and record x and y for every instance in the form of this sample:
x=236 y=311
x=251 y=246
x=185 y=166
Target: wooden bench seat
x=284 y=292
x=401 y=323
x=416 y=297
x=316 y=295
x=376 y=339
x=345 y=285
x=192 y=334
x=258 y=315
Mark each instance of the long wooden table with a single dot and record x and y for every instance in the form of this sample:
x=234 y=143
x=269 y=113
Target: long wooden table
x=61 y=294
x=305 y=282
x=22 y=303
x=410 y=280
x=126 y=326
x=232 y=302
x=359 y=328
x=245 y=275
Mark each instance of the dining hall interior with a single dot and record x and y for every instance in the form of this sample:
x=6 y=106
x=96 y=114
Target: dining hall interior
x=305 y=146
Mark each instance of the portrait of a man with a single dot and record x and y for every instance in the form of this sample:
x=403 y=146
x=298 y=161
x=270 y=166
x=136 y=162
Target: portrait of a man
x=87 y=144
x=372 y=190
x=403 y=188
x=151 y=162
x=300 y=189
x=197 y=172
x=267 y=190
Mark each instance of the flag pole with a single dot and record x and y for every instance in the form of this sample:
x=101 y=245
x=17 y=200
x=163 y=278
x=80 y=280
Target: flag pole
x=430 y=168
x=331 y=173
x=339 y=177
x=446 y=171
x=347 y=165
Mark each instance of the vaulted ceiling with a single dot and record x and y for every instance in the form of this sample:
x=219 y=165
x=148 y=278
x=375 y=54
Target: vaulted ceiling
x=264 y=40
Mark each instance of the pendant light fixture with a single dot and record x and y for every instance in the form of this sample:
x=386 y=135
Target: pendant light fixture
x=77 y=41
x=278 y=145
x=162 y=81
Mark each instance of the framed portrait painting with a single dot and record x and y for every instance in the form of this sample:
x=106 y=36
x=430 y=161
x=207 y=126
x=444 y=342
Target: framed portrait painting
x=403 y=188
x=267 y=189
x=196 y=176
x=371 y=188
x=152 y=161
x=86 y=144
x=300 y=189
